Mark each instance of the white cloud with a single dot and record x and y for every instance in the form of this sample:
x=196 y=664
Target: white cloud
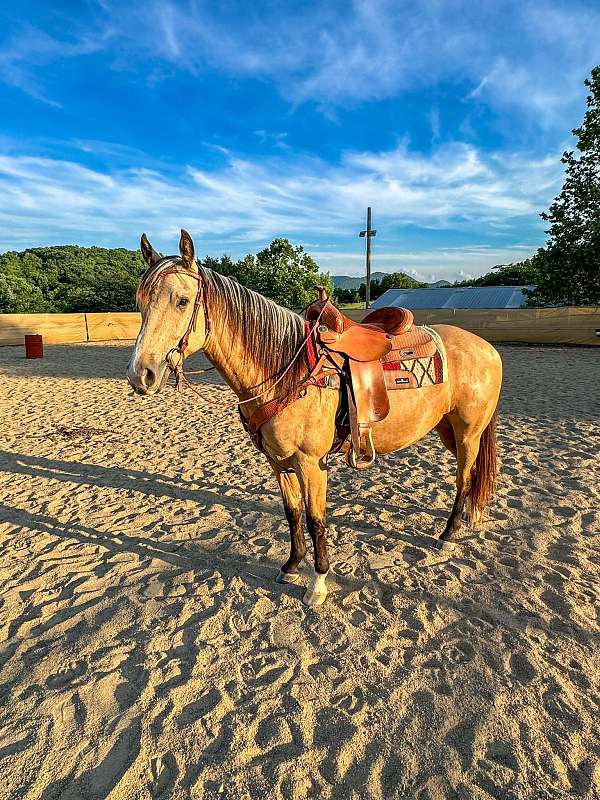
x=243 y=204
x=426 y=265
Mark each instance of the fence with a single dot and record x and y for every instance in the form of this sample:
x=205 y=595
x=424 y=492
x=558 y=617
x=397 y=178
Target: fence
x=568 y=325
x=529 y=325
x=69 y=328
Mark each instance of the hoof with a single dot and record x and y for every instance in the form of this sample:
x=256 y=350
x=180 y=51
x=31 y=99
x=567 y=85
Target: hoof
x=287 y=577
x=314 y=599
x=445 y=545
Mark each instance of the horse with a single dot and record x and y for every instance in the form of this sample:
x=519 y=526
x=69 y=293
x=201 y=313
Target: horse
x=254 y=344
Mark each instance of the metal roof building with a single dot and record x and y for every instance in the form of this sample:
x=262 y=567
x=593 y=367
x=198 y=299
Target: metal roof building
x=455 y=297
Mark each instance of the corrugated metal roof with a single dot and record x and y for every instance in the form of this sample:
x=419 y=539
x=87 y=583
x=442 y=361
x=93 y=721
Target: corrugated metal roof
x=455 y=297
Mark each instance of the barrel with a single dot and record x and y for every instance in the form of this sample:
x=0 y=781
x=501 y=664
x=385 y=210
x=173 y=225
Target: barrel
x=34 y=345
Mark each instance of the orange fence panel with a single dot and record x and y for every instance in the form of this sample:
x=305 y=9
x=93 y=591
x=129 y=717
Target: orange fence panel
x=55 y=328
x=113 y=325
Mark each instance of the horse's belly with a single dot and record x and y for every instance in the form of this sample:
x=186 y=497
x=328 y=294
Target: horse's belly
x=413 y=413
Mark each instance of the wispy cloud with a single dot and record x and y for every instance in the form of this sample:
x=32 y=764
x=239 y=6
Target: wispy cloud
x=242 y=204
x=530 y=55
x=339 y=53
x=25 y=54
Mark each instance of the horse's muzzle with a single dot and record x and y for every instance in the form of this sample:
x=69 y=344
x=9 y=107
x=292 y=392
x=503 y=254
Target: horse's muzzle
x=146 y=381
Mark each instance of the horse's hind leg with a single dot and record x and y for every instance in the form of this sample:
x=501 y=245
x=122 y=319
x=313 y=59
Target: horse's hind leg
x=292 y=503
x=467 y=446
x=446 y=434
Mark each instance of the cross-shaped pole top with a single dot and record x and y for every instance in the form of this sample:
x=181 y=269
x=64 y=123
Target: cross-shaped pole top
x=368 y=234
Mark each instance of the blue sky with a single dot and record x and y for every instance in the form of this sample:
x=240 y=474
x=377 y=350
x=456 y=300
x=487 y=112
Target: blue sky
x=246 y=121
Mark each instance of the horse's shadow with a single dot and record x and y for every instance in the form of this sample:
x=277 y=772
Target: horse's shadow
x=127 y=479
x=179 y=554
x=160 y=485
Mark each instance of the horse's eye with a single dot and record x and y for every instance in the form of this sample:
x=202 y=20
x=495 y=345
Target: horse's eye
x=183 y=302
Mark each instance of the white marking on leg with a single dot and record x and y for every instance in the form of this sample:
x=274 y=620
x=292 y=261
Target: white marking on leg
x=316 y=591
x=287 y=577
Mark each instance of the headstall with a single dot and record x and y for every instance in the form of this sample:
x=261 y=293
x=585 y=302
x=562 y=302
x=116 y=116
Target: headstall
x=178 y=352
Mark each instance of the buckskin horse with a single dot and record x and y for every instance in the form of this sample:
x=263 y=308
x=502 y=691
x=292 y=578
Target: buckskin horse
x=298 y=410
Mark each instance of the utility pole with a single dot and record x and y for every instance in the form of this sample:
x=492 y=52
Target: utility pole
x=368 y=234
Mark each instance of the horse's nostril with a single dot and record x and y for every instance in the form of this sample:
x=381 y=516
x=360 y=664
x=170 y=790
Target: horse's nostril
x=147 y=378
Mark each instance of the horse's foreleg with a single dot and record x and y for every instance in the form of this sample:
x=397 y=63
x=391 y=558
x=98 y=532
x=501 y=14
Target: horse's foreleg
x=313 y=481
x=292 y=503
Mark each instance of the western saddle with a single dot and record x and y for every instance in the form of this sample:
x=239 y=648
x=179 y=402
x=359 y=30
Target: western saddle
x=364 y=361
x=357 y=359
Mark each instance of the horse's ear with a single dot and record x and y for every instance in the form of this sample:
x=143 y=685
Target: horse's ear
x=186 y=249
x=151 y=257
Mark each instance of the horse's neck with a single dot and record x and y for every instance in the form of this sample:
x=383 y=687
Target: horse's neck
x=238 y=368
x=241 y=368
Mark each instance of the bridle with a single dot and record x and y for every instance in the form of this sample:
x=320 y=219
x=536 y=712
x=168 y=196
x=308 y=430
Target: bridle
x=178 y=352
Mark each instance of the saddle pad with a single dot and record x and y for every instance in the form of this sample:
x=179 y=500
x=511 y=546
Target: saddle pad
x=402 y=371
x=415 y=343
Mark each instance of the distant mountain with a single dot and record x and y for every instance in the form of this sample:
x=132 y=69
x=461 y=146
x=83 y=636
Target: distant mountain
x=350 y=282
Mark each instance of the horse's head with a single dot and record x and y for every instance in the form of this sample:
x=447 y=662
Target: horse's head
x=170 y=298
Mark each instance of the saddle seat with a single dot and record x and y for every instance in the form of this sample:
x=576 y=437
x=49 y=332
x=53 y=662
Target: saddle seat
x=357 y=352
x=391 y=320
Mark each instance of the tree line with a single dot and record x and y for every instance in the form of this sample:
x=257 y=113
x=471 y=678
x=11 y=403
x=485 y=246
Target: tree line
x=74 y=279
x=395 y=280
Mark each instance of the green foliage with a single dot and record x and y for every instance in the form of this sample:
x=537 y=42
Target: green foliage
x=395 y=280
x=375 y=290
x=345 y=296
x=521 y=273
x=568 y=267
x=70 y=278
x=285 y=273
x=398 y=280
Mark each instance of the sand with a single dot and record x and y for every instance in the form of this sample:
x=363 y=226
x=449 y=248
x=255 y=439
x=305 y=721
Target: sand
x=146 y=651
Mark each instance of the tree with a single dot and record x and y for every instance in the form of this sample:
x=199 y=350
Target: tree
x=70 y=278
x=375 y=290
x=345 y=296
x=283 y=272
x=521 y=273
x=568 y=267
x=398 y=280
x=393 y=280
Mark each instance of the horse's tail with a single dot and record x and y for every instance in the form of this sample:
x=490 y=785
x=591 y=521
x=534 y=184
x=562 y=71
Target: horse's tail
x=483 y=481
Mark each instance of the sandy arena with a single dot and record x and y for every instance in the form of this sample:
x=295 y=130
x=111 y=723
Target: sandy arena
x=146 y=651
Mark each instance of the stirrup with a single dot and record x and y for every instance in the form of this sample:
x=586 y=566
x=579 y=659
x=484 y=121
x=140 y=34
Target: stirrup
x=366 y=459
